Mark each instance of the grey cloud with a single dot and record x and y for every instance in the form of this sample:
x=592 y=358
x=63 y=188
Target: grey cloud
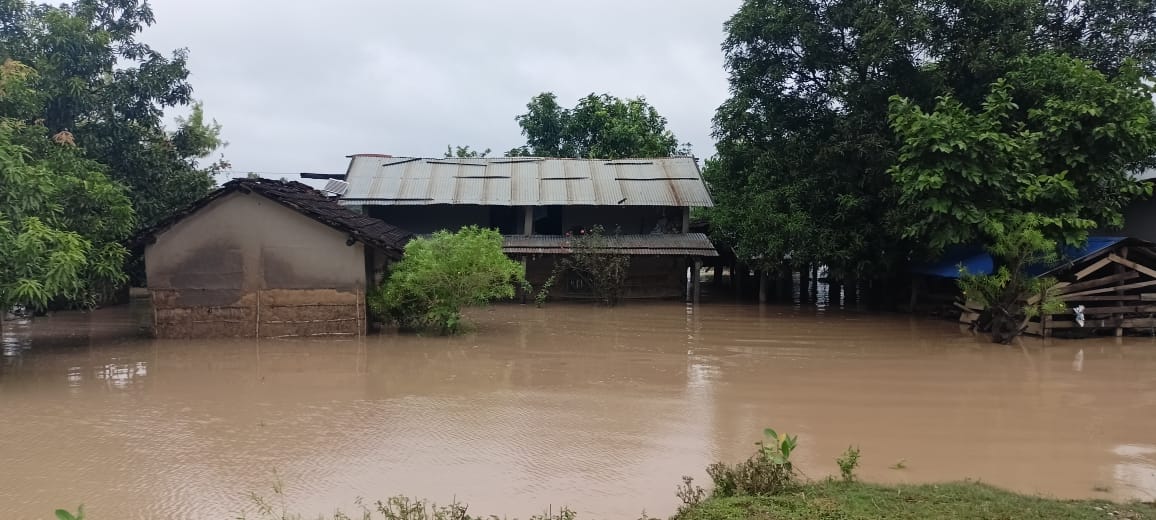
x=299 y=85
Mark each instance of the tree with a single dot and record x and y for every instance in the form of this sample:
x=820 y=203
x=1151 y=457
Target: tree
x=1005 y=293
x=1054 y=138
x=804 y=146
x=604 y=127
x=62 y=220
x=1048 y=157
x=441 y=275
x=465 y=152
x=110 y=92
x=592 y=260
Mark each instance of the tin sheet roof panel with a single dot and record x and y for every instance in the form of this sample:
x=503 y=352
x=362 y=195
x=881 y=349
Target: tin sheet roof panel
x=692 y=244
x=526 y=181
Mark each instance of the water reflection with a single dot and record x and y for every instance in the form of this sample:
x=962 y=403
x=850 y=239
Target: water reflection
x=602 y=409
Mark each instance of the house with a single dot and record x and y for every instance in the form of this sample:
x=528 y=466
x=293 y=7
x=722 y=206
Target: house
x=1109 y=279
x=535 y=202
x=264 y=258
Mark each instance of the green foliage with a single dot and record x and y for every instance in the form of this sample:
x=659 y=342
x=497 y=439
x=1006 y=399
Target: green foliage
x=543 y=292
x=441 y=275
x=1020 y=244
x=768 y=472
x=1054 y=138
x=595 y=263
x=804 y=146
x=465 y=152
x=847 y=462
x=604 y=127
x=63 y=514
x=1047 y=158
x=61 y=219
x=109 y=92
x=826 y=500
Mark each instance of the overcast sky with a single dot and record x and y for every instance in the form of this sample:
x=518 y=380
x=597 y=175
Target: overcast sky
x=298 y=85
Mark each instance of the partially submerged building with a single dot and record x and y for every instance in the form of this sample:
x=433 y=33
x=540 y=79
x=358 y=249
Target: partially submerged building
x=265 y=258
x=1107 y=285
x=535 y=202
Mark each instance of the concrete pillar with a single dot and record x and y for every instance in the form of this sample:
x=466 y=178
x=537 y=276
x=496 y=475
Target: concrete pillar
x=685 y=220
x=528 y=217
x=762 y=286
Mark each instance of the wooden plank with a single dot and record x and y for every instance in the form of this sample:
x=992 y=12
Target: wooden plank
x=1099 y=282
x=1149 y=283
x=1109 y=323
x=1055 y=289
x=1098 y=311
x=1116 y=297
x=968 y=318
x=1035 y=329
x=1119 y=259
x=1128 y=263
x=1092 y=268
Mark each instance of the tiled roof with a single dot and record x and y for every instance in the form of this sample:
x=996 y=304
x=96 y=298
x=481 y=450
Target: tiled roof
x=305 y=200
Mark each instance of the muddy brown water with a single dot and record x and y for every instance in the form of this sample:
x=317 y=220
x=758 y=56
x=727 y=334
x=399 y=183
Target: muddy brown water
x=601 y=410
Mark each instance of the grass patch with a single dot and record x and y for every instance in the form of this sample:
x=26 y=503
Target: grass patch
x=830 y=500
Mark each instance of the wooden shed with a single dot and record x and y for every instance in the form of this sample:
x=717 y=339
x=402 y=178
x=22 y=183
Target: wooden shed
x=1113 y=285
x=265 y=258
x=1108 y=286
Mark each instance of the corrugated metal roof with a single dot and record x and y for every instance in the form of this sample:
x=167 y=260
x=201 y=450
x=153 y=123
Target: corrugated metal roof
x=525 y=181
x=690 y=244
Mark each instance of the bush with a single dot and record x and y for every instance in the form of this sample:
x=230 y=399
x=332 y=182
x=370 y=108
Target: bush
x=847 y=463
x=768 y=472
x=441 y=275
x=592 y=260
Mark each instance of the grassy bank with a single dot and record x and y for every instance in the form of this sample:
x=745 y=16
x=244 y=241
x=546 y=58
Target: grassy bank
x=832 y=500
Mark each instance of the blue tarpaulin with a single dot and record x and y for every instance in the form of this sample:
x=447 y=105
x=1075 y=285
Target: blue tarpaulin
x=977 y=261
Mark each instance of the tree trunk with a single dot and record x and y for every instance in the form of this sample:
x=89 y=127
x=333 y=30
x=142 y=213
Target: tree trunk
x=1004 y=326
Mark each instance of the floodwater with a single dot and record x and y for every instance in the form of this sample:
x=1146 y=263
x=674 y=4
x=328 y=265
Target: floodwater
x=601 y=410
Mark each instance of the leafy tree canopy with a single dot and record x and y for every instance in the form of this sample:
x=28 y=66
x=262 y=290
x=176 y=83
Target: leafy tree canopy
x=604 y=127
x=442 y=274
x=110 y=91
x=62 y=219
x=804 y=144
x=1054 y=138
x=465 y=152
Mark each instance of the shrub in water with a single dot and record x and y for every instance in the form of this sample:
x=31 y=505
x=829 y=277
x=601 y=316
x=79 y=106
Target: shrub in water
x=440 y=275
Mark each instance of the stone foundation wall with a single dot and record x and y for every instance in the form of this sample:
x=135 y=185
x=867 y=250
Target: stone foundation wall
x=266 y=314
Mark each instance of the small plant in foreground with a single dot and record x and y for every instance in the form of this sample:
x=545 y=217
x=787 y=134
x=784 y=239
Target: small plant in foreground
x=63 y=514
x=768 y=472
x=847 y=463
x=690 y=495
